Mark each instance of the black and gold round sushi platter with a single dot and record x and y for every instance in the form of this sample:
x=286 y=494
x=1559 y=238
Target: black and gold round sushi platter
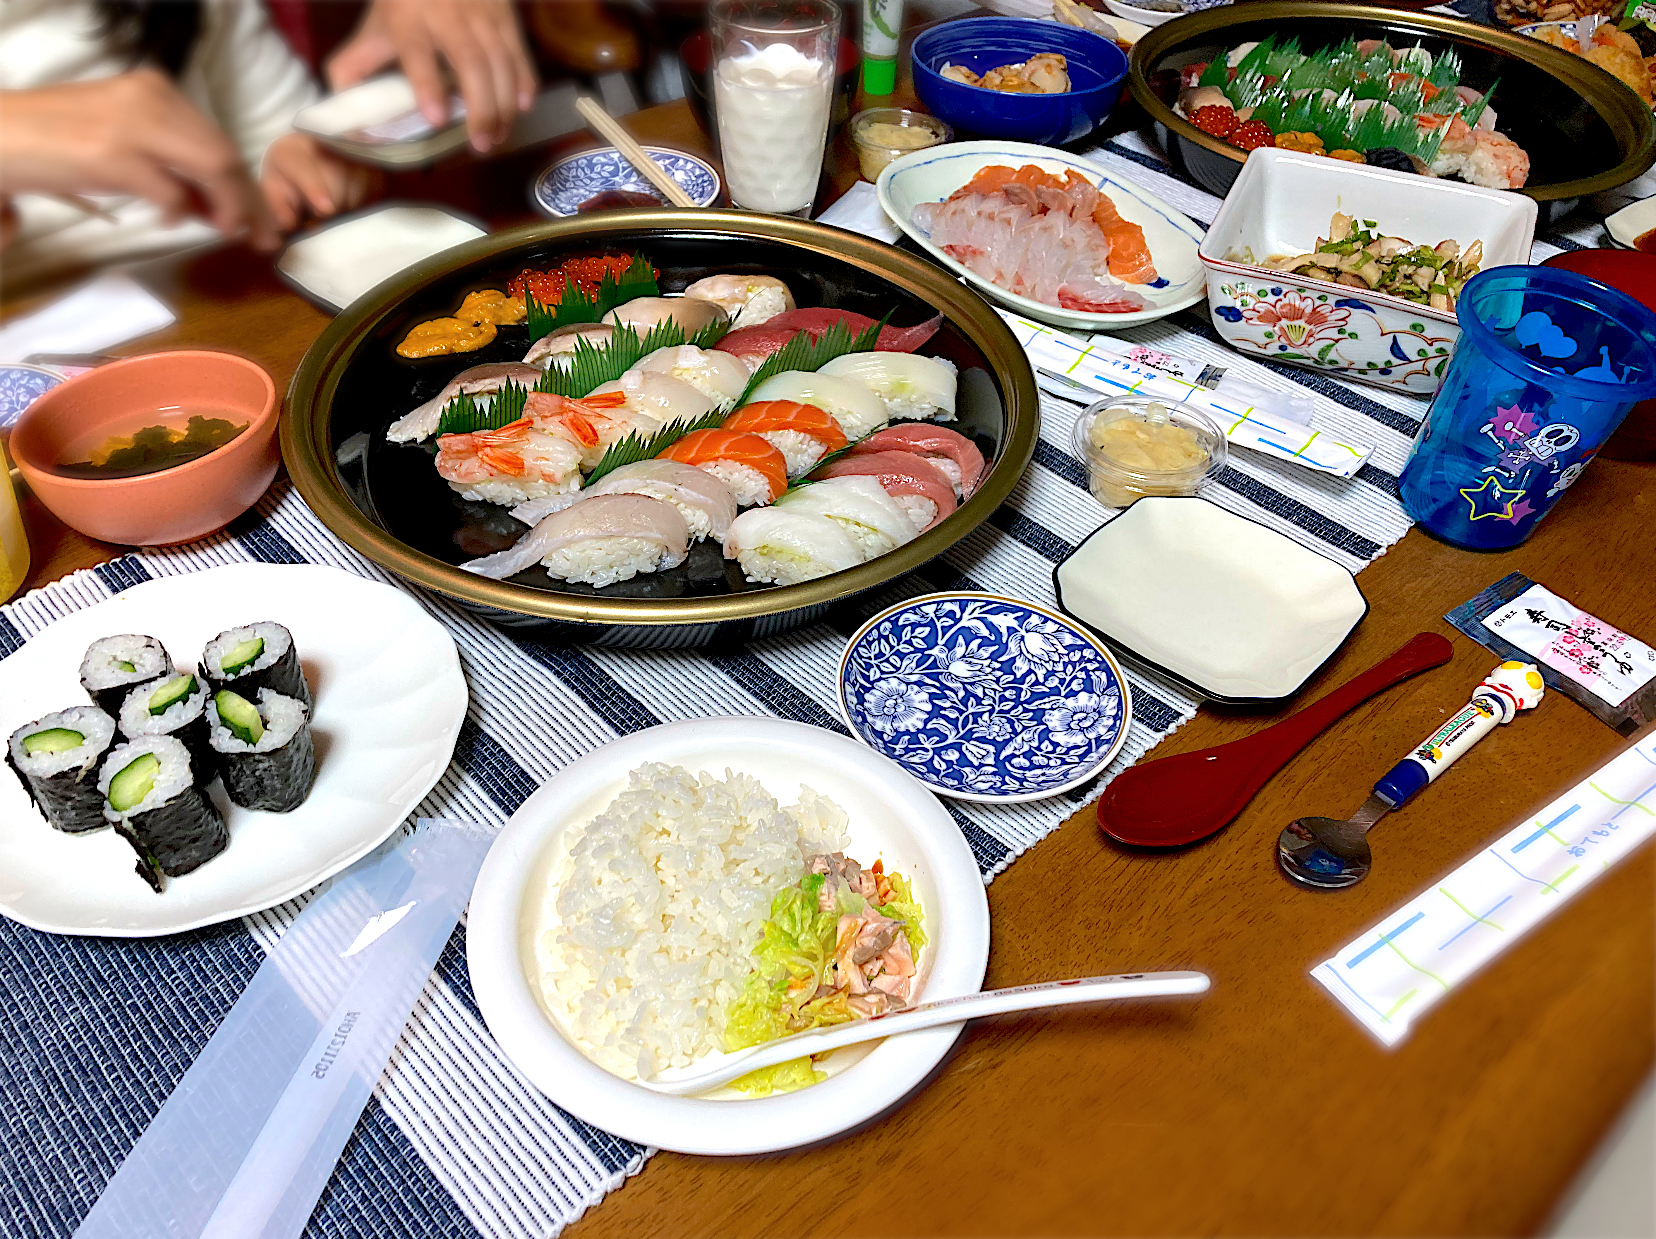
x=386 y=500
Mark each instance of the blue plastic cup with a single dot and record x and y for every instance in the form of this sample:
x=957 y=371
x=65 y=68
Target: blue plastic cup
x=1548 y=364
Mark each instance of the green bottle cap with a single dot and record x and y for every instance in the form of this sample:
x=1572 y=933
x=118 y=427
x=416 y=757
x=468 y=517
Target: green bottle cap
x=879 y=75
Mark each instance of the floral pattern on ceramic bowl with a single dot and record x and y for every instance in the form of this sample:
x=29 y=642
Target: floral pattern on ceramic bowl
x=563 y=187
x=1377 y=339
x=985 y=698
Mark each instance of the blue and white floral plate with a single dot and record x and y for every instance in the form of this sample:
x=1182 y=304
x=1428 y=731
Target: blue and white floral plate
x=985 y=698
x=563 y=187
x=21 y=385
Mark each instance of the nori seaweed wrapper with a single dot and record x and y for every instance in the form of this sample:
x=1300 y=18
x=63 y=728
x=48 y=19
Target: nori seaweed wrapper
x=284 y=676
x=70 y=801
x=278 y=781
x=177 y=837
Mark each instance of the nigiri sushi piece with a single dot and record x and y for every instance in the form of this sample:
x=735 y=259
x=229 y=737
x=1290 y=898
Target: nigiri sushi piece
x=599 y=541
x=643 y=313
x=591 y=423
x=852 y=404
x=860 y=506
x=421 y=423
x=803 y=433
x=748 y=299
x=784 y=548
x=518 y=462
x=649 y=401
x=753 y=469
x=558 y=347
x=754 y=344
x=718 y=376
x=954 y=454
x=910 y=386
x=916 y=485
x=706 y=503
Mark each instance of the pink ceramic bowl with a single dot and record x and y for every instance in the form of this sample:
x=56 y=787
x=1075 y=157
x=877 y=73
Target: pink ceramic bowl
x=174 y=505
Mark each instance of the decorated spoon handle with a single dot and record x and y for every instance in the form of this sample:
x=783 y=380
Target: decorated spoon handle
x=1511 y=687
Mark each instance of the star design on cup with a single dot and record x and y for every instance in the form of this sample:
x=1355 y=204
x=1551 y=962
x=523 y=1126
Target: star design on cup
x=1519 y=511
x=1512 y=424
x=1491 y=499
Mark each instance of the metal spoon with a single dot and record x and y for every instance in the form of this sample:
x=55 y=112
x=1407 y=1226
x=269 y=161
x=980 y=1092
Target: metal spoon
x=1326 y=854
x=722 y=1069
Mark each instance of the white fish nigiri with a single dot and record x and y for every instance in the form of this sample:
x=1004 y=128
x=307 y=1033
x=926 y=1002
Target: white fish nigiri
x=852 y=404
x=718 y=376
x=599 y=541
x=748 y=299
x=558 y=347
x=784 y=548
x=860 y=506
x=706 y=503
x=422 y=422
x=643 y=313
x=912 y=387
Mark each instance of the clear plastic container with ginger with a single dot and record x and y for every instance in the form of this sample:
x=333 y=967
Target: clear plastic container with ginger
x=1134 y=446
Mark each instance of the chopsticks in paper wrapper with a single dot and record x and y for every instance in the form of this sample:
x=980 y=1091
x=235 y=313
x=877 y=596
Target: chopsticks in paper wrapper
x=1100 y=367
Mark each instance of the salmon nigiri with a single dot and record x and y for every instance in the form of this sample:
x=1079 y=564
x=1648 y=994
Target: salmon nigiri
x=753 y=468
x=803 y=433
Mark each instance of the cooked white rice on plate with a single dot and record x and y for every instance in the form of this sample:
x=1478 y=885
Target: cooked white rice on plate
x=653 y=909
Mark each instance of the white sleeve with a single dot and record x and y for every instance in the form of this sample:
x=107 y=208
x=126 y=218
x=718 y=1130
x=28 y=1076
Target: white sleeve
x=244 y=76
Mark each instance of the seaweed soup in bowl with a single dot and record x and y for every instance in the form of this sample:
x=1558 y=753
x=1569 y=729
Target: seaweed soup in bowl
x=397 y=485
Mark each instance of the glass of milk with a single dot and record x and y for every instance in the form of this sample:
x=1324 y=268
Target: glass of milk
x=773 y=89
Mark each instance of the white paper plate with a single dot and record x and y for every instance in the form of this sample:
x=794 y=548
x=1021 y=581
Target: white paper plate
x=931 y=175
x=389 y=702
x=344 y=258
x=892 y=818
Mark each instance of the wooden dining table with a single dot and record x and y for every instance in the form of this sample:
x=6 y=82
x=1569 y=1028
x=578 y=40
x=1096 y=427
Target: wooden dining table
x=1263 y=1108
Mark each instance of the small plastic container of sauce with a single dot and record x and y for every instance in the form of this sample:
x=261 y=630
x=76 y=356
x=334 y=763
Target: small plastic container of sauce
x=1134 y=446
x=882 y=134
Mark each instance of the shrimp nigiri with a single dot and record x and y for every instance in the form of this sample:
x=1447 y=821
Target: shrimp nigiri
x=754 y=469
x=803 y=433
x=516 y=463
x=591 y=423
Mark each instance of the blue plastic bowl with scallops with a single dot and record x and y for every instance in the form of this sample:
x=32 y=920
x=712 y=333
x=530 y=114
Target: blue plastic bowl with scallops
x=1097 y=68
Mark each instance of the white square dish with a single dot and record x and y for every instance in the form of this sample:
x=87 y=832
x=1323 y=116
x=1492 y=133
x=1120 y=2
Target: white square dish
x=1239 y=613
x=378 y=122
x=1283 y=201
x=344 y=258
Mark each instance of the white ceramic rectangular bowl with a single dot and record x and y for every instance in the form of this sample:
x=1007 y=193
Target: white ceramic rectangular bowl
x=1283 y=201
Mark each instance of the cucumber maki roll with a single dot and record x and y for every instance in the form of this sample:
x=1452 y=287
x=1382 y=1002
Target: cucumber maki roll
x=252 y=657
x=173 y=706
x=264 y=751
x=150 y=797
x=56 y=758
x=114 y=666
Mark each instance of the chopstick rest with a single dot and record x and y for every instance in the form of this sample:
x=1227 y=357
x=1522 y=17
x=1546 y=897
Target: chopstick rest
x=251 y=1135
x=1391 y=975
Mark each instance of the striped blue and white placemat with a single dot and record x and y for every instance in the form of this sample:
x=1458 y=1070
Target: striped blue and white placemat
x=456 y=1142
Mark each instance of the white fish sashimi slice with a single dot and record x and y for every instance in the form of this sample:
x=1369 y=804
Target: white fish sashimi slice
x=686 y=487
x=860 y=506
x=661 y=396
x=422 y=422
x=558 y=347
x=852 y=404
x=908 y=384
x=643 y=313
x=534 y=511
x=601 y=516
x=718 y=376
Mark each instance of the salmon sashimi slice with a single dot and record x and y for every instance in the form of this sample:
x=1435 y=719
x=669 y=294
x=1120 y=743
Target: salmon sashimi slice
x=1129 y=252
x=738 y=447
x=767 y=416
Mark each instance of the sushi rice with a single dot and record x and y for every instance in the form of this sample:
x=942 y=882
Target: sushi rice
x=784 y=548
x=911 y=387
x=276 y=667
x=107 y=681
x=63 y=784
x=604 y=561
x=799 y=449
x=750 y=487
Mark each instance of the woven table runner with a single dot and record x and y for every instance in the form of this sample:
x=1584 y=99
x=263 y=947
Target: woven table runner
x=98 y=1031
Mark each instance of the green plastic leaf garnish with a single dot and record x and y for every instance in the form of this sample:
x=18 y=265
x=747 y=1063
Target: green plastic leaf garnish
x=575 y=306
x=464 y=415
x=804 y=353
x=636 y=447
x=593 y=365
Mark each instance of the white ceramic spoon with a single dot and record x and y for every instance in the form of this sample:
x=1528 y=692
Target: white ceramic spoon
x=709 y=1073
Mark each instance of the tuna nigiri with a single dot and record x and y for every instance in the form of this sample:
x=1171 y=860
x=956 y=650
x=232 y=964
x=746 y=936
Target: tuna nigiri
x=803 y=433
x=422 y=422
x=919 y=487
x=754 y=344
x=755 y=470
x=954 y=454
x=597 y=542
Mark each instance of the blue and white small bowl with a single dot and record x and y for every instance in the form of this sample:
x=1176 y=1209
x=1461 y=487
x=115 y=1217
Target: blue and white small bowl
x=20 y=386
x=562 y=188
x=985 y=698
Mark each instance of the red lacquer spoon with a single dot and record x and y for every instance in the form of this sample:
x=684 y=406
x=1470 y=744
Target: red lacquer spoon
x=1181 y=799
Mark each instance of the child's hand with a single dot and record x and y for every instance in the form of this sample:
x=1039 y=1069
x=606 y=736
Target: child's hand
x=301 y=178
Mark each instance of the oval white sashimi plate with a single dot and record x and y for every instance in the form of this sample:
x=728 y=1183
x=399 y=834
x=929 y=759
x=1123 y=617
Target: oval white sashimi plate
x=933 y=174
x=892 y=818
x=390 y=698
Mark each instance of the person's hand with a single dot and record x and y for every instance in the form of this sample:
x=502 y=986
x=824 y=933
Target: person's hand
x=479 y=39
x=129 y=134
x=300 y=176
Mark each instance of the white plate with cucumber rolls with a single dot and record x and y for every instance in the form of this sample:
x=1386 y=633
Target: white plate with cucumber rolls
x=388 y=701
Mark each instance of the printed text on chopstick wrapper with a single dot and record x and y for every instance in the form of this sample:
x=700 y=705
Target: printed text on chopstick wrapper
x=1592 y=653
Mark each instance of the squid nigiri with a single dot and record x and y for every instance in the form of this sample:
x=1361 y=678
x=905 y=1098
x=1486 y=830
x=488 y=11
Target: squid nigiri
x=518 y=462
x=917 y=486
x=598 y=541
x=643 y=313
x=718 y=376
x=955 y=454
x=748 y=299
x=859 y=505
x=754 y=470
x=908 y=384
x=785 y=547
x=803 y=433
x=853 y=405
x=422 y=422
